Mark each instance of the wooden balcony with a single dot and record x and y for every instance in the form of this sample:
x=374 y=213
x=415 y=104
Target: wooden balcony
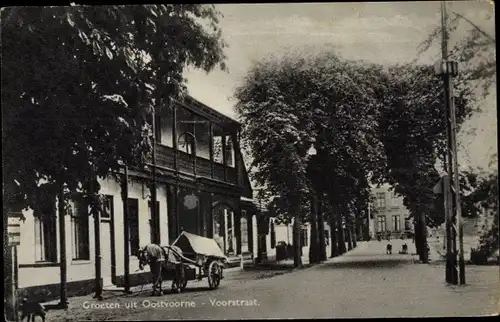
x=165 y=157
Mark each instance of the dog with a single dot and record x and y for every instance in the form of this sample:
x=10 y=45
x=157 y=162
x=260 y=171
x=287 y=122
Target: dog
x=388 y=249
x=31 y=310
x=405 y=248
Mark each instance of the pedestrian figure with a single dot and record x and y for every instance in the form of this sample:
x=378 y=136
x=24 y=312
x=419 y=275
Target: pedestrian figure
x=388 y=249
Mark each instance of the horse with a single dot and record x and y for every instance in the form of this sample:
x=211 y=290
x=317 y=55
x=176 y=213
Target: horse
x=159 y=258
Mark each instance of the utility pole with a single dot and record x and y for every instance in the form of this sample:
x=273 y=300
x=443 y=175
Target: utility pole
x=154 y=213
x=448 y=69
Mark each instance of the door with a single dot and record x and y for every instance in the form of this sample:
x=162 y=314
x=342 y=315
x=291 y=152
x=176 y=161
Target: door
x=188 y=212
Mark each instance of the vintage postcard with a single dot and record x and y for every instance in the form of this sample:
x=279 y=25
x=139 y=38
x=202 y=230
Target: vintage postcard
x=250 y=161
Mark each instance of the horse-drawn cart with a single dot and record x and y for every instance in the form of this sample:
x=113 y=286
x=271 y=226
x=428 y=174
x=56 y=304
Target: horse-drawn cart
x=192 y=257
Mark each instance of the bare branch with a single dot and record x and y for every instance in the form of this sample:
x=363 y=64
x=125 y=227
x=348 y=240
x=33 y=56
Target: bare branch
x=475 y=26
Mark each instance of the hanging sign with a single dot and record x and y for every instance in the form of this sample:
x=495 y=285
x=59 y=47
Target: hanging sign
x=14 y=231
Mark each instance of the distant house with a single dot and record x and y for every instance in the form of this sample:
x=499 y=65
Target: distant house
x=388 y=212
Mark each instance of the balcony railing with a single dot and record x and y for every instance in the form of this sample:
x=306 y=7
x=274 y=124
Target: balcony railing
x=165 y=157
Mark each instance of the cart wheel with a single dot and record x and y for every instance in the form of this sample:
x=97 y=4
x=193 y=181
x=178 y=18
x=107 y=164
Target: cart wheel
x=214 y=275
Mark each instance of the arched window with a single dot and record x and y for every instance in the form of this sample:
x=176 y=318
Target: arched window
x=186 y=142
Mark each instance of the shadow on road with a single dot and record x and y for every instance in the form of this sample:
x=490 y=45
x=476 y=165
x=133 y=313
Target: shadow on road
x=367 y=264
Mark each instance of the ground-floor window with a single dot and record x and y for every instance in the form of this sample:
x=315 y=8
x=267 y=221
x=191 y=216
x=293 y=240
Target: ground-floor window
x=80 y=231
x=304 y=237
x=381 y=224
x=231 y=238
x=154 y=222
x=224 y=230
x=133 y=225
x=396 y=224
x=218 y=228
x=407 y=224
x=45 y=238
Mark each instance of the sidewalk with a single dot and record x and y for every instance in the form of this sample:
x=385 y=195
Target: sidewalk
x=231 y=275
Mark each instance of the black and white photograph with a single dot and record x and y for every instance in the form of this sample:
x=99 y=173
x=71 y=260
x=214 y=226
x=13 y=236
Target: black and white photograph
x=238 y=161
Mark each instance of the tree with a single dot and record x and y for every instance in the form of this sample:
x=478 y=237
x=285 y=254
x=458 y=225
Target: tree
x=347 y=140
x=80 y=106
x=286 y=105
x=412 y=129
x=276 y=128
x=82 y=99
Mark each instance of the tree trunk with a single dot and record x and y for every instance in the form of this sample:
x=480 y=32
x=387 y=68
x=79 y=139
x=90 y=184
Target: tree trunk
x=321 y=228
x=417 y=236
x=354 y=237
x=297 y=256
x=423 y=242
x=313 y=246
x=8 y=273
x=126 y=232
x=349 y=237
x=62 y=248
x=334 y=237
x=342 y=246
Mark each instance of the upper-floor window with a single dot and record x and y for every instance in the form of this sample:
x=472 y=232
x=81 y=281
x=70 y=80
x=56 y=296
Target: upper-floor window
x=185 y=130
x=380 y=200
x=165 y=126
x=218 y=144
x=229 y=151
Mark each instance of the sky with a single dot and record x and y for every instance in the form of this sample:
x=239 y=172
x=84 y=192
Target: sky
x=384 y=33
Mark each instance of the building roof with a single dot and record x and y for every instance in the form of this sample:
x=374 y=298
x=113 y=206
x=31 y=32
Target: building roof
x=209 y=111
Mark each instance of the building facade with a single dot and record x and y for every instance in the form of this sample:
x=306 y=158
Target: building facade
x=202 y=187
x=388 y=213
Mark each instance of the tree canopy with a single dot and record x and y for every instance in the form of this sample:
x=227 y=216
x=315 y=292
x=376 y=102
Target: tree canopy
x=79 y=85
x=368 y=124
x=412 y=129
x=289 y=104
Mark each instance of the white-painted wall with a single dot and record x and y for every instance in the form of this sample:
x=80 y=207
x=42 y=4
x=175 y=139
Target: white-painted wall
x=83 y=270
